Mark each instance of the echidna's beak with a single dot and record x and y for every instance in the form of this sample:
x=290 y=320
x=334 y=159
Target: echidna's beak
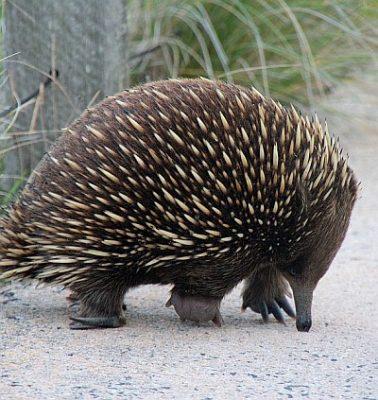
x=303 y=301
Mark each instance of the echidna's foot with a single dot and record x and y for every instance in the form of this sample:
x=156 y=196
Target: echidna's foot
x=89 y=309
x=82 y=318
x=74 y=303
x=266 y=293
x=196 y=308
x=96 y=322
x=272 y=306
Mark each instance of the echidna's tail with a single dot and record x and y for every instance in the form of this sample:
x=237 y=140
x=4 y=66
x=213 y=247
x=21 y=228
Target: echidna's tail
x=10 y=262
x=8 y=268
x=25 y=253
x=13 y=252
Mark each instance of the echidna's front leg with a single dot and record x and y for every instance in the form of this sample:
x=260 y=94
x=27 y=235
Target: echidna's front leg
x=196 y=308
x=96 y=308
x=265 y=292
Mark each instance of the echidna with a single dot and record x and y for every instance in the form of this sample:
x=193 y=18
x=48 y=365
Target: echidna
x=193 y=183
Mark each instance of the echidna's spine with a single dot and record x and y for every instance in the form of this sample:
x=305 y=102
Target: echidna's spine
x=175 y=173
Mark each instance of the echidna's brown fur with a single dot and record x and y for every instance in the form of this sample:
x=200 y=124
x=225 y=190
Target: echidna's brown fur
x=194 y=183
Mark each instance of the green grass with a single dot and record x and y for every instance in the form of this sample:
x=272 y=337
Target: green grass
x=294 y=50
x=9 y=196
x=5 y=196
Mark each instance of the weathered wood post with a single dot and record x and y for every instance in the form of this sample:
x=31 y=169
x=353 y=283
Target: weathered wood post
x=85 y=41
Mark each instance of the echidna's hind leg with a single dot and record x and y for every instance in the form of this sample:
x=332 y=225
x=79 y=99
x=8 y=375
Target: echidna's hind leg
x=265 y=292
x=88 y=315
x=196 y=308
x=91 y=307
x=74 y=303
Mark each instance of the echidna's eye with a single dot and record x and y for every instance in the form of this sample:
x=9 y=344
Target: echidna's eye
x=295 y=268
x=294 y=271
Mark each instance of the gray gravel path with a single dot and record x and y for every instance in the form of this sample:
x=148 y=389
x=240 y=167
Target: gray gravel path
x=157 y=357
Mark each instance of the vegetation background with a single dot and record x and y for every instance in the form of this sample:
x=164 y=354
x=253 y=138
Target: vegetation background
x=297 y=51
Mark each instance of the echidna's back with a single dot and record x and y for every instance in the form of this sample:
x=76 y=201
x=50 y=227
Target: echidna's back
x=174 y=172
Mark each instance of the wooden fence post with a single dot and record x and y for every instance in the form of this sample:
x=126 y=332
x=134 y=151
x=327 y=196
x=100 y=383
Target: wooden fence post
x=85 y=41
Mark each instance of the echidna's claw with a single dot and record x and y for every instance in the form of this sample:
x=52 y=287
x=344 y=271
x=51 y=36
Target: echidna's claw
x=264 y=311
x=274 y=308
x=79 y=326
x=97 y=322
x=286 y=306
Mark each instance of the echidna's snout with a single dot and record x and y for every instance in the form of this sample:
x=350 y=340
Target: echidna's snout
x=303 y=302
x=304 y=323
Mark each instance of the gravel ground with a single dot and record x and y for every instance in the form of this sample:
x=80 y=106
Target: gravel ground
x=156 y=356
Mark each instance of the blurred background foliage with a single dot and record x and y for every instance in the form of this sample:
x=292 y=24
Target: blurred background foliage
x=293 y=50
x=296 y=51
